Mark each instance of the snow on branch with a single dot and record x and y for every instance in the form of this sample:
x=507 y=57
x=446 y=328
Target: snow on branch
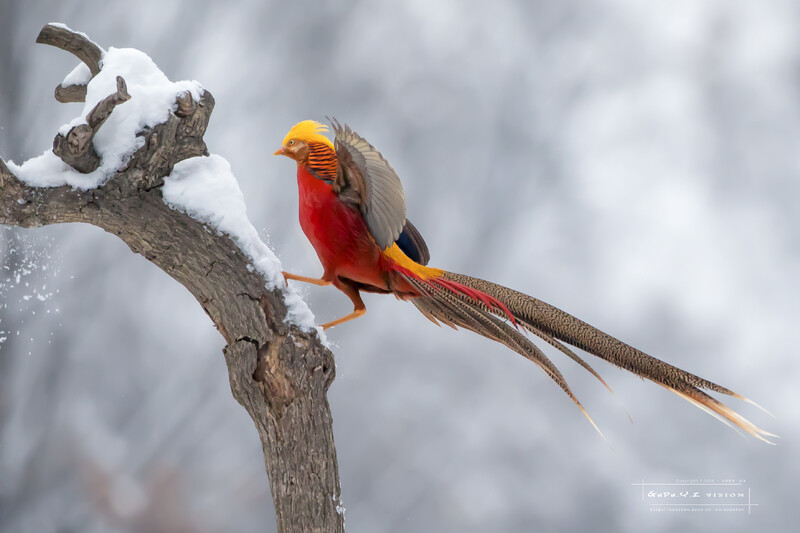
x=206 y=189
x=134 y=163
x=129 y=96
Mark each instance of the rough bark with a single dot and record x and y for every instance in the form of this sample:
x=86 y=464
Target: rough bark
x=279 y=373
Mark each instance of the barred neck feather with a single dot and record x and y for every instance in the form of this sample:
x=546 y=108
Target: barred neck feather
x=322 y=161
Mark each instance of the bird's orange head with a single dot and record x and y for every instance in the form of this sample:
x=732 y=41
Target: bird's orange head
x=295 y=144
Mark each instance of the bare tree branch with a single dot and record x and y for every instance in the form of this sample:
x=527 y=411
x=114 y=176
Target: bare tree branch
x=75 y=43
x=279 y=373
x=70 y=93
x=81 y=47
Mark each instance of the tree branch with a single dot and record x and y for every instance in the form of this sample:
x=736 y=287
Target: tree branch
x=278 y=372
x=81 y=47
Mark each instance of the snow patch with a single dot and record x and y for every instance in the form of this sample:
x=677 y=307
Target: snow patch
x=152 y=100
x=340 y=509
x=206 y=189
x=80 y=75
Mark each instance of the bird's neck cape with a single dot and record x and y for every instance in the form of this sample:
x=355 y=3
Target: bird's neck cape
x=322 y=161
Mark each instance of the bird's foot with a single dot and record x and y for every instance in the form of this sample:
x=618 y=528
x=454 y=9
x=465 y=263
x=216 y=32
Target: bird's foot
x=315 y=281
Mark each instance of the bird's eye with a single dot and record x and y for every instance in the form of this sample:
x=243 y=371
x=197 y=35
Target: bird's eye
x=291 y=142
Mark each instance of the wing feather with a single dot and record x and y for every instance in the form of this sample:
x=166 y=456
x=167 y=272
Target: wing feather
x=384 y=204
x=413 y=245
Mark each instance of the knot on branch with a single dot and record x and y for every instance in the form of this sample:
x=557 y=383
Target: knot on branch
x=186 y=104
x=271 y=375
x=76 y=148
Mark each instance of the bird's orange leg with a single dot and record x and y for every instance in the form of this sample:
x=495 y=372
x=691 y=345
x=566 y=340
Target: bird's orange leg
x=358 y=304
x=316 y=281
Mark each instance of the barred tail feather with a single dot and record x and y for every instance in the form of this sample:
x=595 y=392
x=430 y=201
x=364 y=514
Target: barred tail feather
x=497 y=312
x=453 y=308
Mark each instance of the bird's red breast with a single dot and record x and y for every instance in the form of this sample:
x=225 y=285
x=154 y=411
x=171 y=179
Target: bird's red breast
x=338 y=233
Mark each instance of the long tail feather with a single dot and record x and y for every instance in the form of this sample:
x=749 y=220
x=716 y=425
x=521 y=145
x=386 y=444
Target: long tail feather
x=450 y=308
x=498 y=313
x=569 y=353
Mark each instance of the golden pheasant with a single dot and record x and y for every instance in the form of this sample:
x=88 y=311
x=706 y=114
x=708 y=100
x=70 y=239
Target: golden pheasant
x=353 y=211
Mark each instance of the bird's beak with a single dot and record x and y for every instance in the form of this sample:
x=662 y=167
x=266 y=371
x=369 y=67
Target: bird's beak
x=281 y=151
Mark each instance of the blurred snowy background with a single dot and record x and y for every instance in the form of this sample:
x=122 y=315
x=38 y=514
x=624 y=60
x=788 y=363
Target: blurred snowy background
x=634 y=163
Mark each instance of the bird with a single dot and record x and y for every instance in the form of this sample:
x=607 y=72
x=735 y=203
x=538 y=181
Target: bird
x=353 y=211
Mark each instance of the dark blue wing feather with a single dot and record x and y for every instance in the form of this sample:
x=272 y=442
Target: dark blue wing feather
x=413 y=245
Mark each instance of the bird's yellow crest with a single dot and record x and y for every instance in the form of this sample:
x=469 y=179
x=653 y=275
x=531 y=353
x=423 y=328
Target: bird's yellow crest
x=308 y=131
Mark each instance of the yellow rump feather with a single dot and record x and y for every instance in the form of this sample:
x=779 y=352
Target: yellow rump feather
x=396 y=254
x=308 y=131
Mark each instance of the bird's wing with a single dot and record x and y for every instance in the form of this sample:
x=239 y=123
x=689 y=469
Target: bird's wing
x=367 y=180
